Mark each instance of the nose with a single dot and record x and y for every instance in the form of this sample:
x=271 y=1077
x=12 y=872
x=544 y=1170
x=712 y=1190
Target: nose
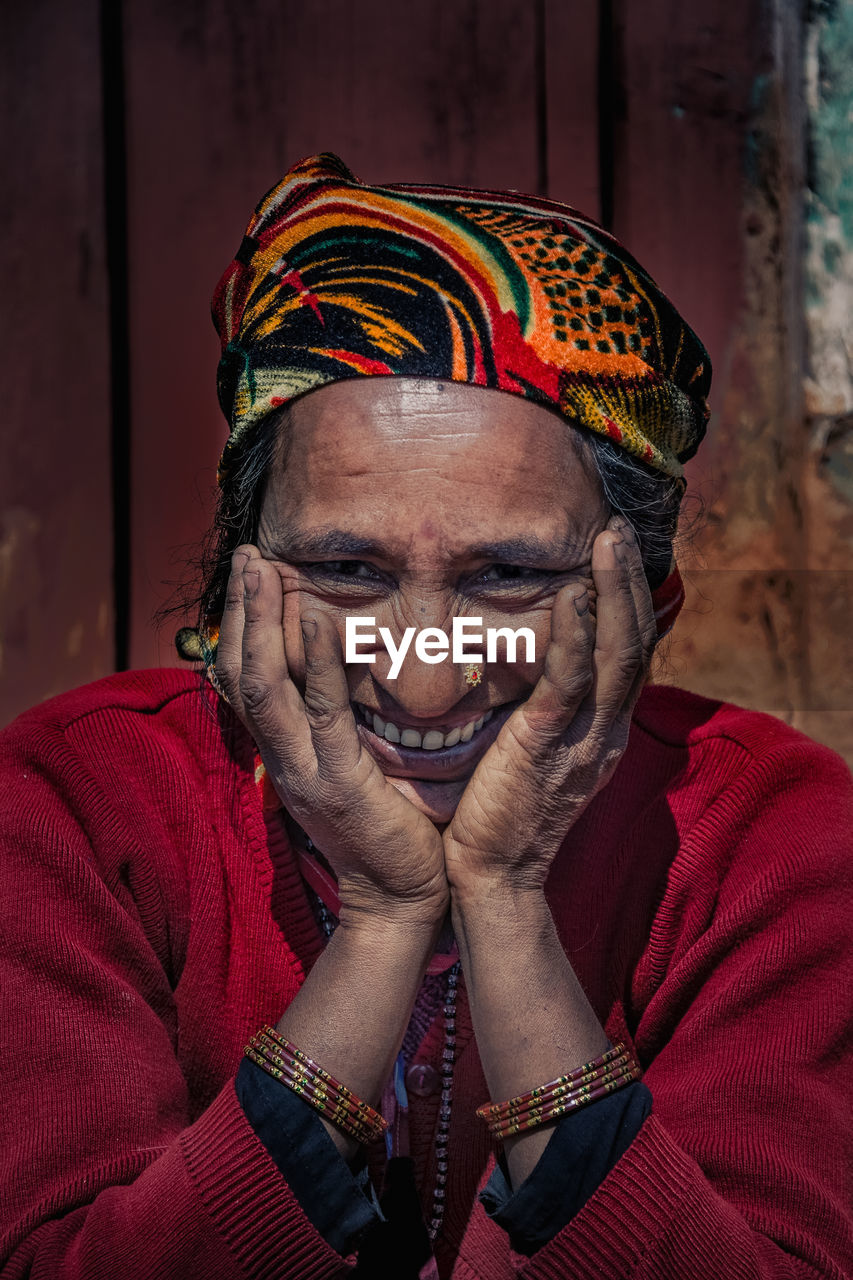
x=428 y=691
x=425 y=691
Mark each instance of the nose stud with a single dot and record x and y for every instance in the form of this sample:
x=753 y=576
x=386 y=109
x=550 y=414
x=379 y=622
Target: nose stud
x=473 y=673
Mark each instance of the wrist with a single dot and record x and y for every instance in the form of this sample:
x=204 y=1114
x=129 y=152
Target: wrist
x=492 y=900
x=363 y=902
x=399 y=924
x=501 y=928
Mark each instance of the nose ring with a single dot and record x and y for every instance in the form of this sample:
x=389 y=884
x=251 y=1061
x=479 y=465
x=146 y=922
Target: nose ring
x=473 y=673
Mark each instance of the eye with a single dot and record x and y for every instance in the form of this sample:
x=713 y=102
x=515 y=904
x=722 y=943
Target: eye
x=513 y=573
x=346 y=570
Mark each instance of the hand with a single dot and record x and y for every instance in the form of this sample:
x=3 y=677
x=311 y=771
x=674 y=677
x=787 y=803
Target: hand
x=387 y=855
x=562 y=745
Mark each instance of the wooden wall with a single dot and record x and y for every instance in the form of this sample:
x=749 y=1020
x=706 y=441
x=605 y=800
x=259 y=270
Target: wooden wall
x=139 y=136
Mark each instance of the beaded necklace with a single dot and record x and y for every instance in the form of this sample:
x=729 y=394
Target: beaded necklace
x=396 y=1093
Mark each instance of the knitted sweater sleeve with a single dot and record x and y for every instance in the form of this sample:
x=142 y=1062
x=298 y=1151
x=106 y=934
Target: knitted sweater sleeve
x=743 y=1168
x=104 y=1169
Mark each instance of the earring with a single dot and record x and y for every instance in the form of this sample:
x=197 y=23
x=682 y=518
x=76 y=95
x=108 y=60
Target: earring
x=473 y=673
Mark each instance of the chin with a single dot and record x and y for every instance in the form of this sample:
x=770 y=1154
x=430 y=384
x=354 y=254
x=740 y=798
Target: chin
x=438 y=800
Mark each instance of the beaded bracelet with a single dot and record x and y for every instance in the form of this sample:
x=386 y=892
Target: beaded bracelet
x=558 y=1089
x=566 y=1094
x=356 y=1118
x=612 y=1070
x=293 y=1068
x=306 y=1076
x=340 y=1113
x=553 y=1112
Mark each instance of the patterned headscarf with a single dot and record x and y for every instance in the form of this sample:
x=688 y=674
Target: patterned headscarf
x=335 y=279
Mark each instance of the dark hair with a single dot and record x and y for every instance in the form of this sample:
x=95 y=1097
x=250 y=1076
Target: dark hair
x=649 y=500
x=236 y=520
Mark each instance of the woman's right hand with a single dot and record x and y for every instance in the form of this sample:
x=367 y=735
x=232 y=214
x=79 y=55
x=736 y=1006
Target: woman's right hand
x=388 y=857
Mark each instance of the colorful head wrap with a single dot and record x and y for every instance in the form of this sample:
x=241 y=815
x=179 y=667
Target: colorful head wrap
x=335 y=279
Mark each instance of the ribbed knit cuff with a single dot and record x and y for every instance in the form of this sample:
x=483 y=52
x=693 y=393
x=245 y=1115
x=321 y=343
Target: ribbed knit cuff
x=583 y=1148
x=655 y=1193
x=248 y=1200
x=340 y=1201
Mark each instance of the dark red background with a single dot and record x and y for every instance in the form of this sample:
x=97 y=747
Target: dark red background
x=137 y=138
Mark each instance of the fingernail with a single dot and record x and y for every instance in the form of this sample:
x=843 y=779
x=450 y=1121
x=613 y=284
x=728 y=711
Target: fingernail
x=238 y=560
x=309 y=628
x=620 y=551
x=582 y=604
x=251 y=582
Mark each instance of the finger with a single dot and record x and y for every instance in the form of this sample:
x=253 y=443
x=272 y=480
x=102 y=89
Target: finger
x=618 y=656
x=327 y=701
x=645 y=611
x=272 y=705
x=293 y=599
x=230 y=647
x=567 y=676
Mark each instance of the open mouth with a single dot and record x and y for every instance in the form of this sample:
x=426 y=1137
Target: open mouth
x=430 y=740
x=406 y=752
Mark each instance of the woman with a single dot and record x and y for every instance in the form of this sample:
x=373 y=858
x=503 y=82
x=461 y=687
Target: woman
x=269 y=948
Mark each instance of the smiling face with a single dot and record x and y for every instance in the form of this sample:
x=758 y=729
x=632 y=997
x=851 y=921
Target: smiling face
x=414 y=502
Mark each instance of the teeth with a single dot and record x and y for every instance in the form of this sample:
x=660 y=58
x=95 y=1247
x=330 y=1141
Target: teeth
x=432 y=740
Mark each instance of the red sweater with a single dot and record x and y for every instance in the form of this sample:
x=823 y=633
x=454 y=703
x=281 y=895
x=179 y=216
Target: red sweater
x=148 y=924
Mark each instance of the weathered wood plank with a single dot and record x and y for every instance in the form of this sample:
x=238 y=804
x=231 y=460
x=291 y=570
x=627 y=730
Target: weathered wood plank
x=221 y=99
x=571 y=96
x=56 y=625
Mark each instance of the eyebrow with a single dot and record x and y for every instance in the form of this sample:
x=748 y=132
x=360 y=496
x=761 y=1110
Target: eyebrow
x=523 y=550
x=331 y=542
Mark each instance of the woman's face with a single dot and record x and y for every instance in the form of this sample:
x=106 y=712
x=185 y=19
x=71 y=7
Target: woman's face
x=414 y=502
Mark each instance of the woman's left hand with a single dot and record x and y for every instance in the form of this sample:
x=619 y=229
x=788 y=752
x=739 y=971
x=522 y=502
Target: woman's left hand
x=562 y=745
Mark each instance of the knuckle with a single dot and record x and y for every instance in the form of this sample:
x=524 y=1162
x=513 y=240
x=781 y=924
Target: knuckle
x=610 y=759
x=301 y=792
x=576 y=686
x=225 y=674
x=627 y=662
x=257 y=696
x=253 y=613
x=321 y=708
x=541 y=726
x=624 y=662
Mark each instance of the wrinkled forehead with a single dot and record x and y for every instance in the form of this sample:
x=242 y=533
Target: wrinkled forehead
x=423 y=462
x=387 y=424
